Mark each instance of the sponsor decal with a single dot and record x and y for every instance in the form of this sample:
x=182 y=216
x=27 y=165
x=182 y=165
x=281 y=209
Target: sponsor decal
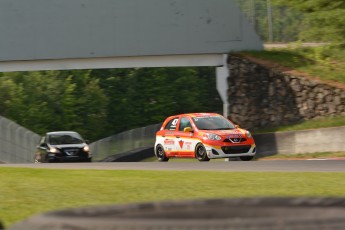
x=169 y=133
x=236 y=135
x=181 y=142
x=169 y=142
x=188 y=145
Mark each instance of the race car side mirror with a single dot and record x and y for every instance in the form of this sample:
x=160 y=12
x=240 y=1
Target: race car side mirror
x=187 y=129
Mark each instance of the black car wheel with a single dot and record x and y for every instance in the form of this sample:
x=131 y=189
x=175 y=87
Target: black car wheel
x=160 y=153
x=200 y=153
x=246 y=158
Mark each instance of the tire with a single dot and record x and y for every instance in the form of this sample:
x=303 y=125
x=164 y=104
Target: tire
x=200 y=153
x=160 y=154
x=88 y=159
x=246 y=158
x=52 y=161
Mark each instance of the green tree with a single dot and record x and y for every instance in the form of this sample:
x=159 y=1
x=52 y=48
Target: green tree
x=91 y=110
x=324 y=19
x=11 y=98
x=99 y=103
x=42 y=93
x=286 y=21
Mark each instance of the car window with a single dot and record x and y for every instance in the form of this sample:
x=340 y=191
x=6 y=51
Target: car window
x=213 y=123
x=63 y=139
x=172 y=124
x=184 y=123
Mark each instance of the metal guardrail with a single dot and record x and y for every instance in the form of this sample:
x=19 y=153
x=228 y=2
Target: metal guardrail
x=17 y=144
x=124 y=142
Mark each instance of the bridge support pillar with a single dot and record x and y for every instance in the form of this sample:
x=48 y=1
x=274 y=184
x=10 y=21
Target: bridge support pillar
x=222 y=74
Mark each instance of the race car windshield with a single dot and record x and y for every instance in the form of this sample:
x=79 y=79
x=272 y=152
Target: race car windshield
x=65 y=139
x=213 y=123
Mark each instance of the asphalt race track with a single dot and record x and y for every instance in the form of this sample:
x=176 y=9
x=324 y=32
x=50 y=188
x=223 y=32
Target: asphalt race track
x=231 y=166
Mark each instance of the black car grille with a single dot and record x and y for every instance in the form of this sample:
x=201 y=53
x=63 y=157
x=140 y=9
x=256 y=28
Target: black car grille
x=72 y=151
x=235 y=140
x=236 y=149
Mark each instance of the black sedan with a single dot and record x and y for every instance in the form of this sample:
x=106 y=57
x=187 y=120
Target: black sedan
x=62 y=146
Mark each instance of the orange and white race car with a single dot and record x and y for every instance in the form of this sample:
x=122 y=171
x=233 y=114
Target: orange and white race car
x=203 y=136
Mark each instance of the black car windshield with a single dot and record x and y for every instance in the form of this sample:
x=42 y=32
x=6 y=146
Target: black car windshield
x=65 y=139
x=213 y=123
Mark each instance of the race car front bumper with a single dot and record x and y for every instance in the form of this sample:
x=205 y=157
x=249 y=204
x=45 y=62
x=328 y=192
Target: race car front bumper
x=230 y=151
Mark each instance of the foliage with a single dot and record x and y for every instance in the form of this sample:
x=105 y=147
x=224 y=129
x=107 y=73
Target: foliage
x=305 y=20
x=99 y=103
x=286 y=21
x=317 y=123
x=324 y=19
x=301 y=156
x=324 y=62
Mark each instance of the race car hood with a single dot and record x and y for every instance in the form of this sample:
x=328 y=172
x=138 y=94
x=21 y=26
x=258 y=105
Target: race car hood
x=234 y=133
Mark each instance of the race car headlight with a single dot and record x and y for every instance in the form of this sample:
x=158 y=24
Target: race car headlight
x=86 y=148
x=249 y=135
x=213 y=137
x=53 y=150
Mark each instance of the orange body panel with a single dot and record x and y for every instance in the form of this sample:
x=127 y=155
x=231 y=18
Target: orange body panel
x=220 y=137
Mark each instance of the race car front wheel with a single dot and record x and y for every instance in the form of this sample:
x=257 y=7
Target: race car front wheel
x=160 y=153
x=200 y=153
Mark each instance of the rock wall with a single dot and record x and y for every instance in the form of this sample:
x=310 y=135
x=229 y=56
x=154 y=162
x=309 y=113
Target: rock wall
x=260 y=96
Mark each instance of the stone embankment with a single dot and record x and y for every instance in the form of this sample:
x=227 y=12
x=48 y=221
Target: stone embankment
x=265 y=96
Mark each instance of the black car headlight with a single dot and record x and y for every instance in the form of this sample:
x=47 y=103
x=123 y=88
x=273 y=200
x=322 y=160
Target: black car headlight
x=53 y=150
x=86 y=148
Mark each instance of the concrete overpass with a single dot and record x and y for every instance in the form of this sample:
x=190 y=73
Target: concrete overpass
x=86 y=34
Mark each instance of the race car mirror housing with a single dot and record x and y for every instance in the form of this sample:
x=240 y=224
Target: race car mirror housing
x=187 y=129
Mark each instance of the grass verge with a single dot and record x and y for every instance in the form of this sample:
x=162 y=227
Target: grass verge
x=25 y=192
x=324 y=122
x=306 y=156
x=324 y=62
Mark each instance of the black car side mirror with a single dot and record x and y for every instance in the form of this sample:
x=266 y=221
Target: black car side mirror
x=43 y=145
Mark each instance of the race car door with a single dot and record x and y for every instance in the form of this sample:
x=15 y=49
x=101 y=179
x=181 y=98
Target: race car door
x=183 y=143
x=169 y=137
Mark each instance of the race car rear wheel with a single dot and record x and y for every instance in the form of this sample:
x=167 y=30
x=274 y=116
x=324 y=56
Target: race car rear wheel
x=160 y=153
x=246 y=158
x=200 y=153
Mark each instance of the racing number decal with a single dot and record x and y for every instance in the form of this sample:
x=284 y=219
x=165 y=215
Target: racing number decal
x=174 y=123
